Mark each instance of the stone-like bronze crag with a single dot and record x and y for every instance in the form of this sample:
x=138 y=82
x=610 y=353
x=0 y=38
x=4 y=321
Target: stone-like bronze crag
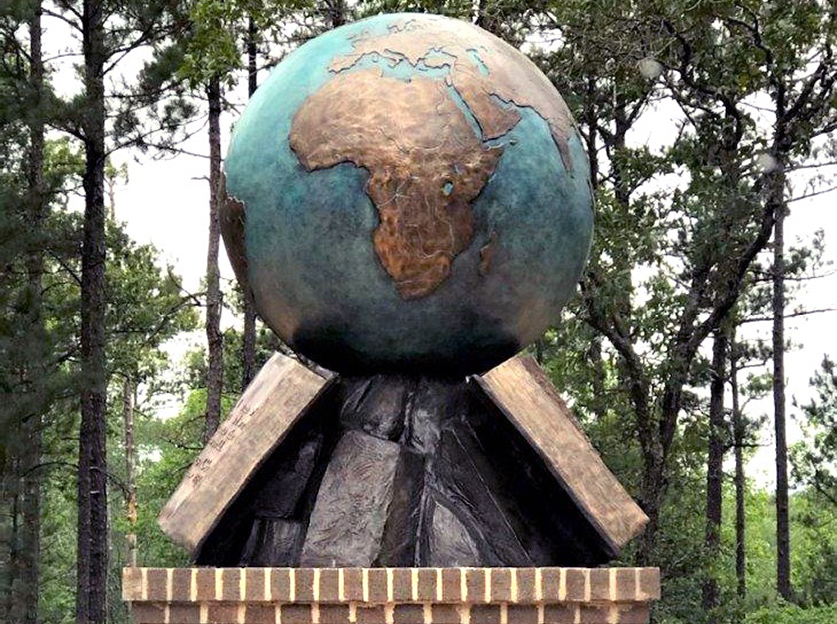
x=427 y=161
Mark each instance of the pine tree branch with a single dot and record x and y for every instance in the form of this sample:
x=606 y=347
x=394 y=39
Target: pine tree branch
x=812 y=194
x=764 y=319
x=75 y=25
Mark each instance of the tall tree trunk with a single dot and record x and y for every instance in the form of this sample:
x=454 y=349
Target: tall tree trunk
x=128 y=400
x=92 y=482
x=214 y=338
x=248 y=369
x=738 y=432
x=30 y=529
x=783 y=582
x=654 y=447
x=594 y=354
x=30 y=552
x=715 y=470
x=653 y=473
x=30 y=524
x=6 y=577
x=9 y=607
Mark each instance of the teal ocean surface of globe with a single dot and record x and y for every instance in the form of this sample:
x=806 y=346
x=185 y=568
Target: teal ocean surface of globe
x=407 y=193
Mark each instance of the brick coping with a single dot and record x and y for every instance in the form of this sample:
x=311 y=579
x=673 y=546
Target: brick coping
x=390 y=595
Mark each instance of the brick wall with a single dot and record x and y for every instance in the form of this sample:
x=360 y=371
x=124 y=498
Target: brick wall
x=390 y=595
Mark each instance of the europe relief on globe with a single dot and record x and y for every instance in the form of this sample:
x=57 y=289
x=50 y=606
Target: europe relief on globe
x=407 y=193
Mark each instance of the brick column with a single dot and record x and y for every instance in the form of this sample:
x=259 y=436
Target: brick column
x=390 y=595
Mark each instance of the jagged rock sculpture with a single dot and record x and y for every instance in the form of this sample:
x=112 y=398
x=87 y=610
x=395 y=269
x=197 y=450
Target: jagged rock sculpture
x=401 y=471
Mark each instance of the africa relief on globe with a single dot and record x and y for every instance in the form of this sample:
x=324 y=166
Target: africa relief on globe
x=427 y=161
x=407 y=193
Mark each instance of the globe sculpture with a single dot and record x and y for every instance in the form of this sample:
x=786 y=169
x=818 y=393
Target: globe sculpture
x=407 y=193
x=407 y=202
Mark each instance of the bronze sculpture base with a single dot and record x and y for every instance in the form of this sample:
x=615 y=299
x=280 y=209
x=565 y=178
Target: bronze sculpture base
x=403 y=471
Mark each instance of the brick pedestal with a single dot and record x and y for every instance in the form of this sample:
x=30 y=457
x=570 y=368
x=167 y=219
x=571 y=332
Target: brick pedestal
x=390 y=595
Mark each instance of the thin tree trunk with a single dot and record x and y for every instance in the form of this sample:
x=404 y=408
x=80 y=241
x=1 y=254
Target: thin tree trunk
x=596 y=363
x=214 y=338
x=738 y=431
x=652 y=503
x=649 y=420
x=783 y=583
x=591 y=139
x=11 y=562
x=35 y=175
x=252 y=58
x=479 y=13
x=6 y=549
x=128 y=395
x=92 y=483
x=30 y=552
x=30 y=547
x=714 y=470
x=249 y=339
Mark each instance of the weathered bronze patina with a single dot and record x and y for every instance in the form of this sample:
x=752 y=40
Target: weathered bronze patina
x=486 y=78
x=417 y=198
x=426 y=166
x=427 y=161
x=232 y=216
x=487 y=252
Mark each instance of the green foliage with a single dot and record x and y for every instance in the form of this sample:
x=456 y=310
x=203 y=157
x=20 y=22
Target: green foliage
x=146 y=307
x=450 y=8
x=58 y=566
x=213 y=45
x=792 y=614
x=815 y=458
x=34 y=334
x=813 y=546
x=815 y=577
x=166 y=450
x=217 y=29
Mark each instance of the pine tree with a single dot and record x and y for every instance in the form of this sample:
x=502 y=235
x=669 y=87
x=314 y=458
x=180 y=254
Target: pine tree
x=214 y=338
x=739 y=433
x=248 y=344
x=783 y=572
x=715 y=468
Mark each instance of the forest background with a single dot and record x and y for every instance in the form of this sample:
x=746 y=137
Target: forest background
x=710 y=126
